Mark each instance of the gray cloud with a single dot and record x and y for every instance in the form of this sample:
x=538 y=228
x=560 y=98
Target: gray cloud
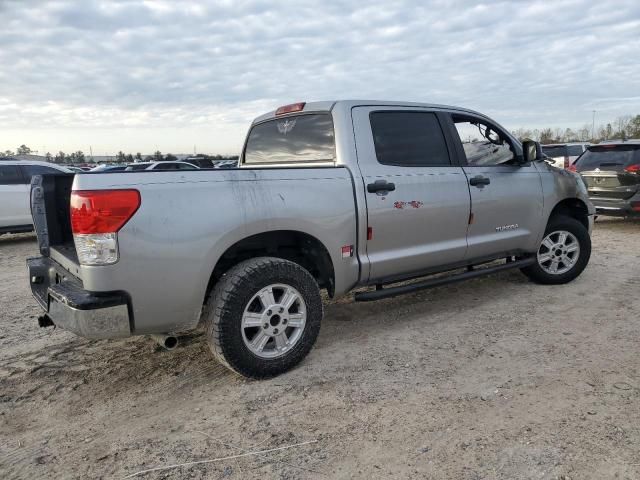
x=122 y=64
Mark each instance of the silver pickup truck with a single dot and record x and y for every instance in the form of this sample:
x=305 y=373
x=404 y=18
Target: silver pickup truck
x=327 y=195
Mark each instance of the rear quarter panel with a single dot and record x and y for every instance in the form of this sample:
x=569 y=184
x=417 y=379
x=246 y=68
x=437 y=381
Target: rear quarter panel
x=187 y=220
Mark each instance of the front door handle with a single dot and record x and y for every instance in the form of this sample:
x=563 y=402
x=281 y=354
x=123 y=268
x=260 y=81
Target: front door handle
x=381 y=186
x=479 y=181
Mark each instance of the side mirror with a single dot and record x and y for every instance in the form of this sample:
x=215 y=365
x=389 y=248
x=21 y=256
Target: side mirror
x=531 y=151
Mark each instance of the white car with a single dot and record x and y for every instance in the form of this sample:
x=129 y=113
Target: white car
x=563 y=155
x=15 y=187
x=133 y=167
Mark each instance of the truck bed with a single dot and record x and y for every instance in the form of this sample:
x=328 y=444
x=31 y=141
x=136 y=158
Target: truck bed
x=186 y=222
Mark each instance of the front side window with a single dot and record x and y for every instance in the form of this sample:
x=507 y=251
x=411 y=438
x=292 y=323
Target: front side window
x=10 y=175
x=409 y=139
x=483 y=144
x=293 y=139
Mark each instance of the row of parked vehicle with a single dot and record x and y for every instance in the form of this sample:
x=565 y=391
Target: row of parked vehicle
x=610 y=169
x=15 y=181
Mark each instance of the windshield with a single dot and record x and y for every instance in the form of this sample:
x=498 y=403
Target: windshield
x=300 y=138
x=609 y=157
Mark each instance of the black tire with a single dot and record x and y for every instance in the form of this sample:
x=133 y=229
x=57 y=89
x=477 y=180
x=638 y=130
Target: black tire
x=231 y=296
x=560 y=222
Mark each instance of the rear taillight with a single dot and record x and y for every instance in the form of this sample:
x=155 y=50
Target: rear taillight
x=96 y=218
x=572 y=168
x=566 y=162
x=633 y=168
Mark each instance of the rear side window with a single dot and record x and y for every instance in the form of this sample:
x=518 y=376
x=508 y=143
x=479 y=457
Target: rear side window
x=619 y=156
x=300 y=138
x=557 y=151
x=10 y=175
x=409 y=139
x=575 y=150
x=31 y=170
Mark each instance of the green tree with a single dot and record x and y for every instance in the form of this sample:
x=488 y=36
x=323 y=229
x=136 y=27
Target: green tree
x=170 y=157
x=80 y=157
x=121 y=157
x=60 y=157
x=23 y=150
x=129 y=158
x=8 y=153
x=48 y=157
x=157 y=156
x=138 y=157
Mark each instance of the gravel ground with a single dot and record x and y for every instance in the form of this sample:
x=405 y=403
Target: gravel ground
x=492 y=378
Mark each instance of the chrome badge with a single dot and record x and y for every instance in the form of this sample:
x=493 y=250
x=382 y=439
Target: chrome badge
x=507 y=227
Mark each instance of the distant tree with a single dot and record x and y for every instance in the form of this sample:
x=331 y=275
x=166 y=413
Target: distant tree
x=8 y=153
x=23 y=150
x=157 y=156
x=80 y=157
x=121 y=157
x=149 y=158
x=546 y=135
x=130 y=158
x=48 y=157
x=138 y=157
x=60 y=157
x=170 y=157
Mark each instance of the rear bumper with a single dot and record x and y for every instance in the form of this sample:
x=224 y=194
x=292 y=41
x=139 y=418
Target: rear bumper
x=70 y=307
x=617 y=207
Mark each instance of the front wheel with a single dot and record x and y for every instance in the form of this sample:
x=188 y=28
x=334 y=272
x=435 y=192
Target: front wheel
x=263 y=317
x=563 y=254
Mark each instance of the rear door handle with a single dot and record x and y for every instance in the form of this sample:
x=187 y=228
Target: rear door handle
x=381 y=186
x=479 y=181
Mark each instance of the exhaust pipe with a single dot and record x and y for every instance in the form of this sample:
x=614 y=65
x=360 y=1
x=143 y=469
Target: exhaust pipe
x=168 y=342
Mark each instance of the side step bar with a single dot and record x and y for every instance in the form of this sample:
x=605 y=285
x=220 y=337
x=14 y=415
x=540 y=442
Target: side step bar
x=380 y=293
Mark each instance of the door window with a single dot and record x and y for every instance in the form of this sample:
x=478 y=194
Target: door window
x=10 y=175
x=31 y=170
x=483 y=144
x=409 y=139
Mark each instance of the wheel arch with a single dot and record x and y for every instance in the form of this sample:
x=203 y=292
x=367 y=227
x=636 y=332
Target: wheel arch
x=296 y=246
x=574 y=208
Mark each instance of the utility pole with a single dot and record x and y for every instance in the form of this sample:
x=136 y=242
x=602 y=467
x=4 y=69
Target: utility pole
x=593 y=126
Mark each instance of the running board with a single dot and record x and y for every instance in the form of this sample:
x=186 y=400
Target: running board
x=380 y=293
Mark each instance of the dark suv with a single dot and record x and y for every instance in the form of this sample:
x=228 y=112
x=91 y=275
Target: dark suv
x=612 y=173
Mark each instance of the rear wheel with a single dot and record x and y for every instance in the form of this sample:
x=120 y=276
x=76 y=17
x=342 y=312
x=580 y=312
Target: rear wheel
x=563 y=254
x=263 y=317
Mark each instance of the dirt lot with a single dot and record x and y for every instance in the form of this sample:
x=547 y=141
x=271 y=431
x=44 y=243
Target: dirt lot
x=493 y=378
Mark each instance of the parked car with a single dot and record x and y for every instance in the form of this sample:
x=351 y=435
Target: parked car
x=226 y=164
x=362 y=194
x=200 y=161
x=108 y=168
x=562 y=155
x=164 y=166
x=15 y=180
x=612 y=173
x=75 y=169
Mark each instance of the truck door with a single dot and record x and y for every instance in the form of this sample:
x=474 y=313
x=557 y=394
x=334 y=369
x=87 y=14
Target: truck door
x=417 y=197
x=506 y=196
x=14 y=197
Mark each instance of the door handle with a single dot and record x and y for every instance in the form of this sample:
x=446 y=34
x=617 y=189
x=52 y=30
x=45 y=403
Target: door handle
x=381 y=186
x=479 y=181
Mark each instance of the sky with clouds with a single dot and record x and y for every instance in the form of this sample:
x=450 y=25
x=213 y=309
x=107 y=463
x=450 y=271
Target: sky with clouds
x=143 y=75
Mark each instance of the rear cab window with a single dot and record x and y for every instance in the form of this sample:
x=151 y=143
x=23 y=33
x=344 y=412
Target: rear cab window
x=305 y=138
x=30 y=170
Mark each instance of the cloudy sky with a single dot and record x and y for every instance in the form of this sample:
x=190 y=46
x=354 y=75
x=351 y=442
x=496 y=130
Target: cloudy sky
x=144 y=75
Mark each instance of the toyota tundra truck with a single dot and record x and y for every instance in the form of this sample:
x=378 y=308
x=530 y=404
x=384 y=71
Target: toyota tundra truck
x=384 y=197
